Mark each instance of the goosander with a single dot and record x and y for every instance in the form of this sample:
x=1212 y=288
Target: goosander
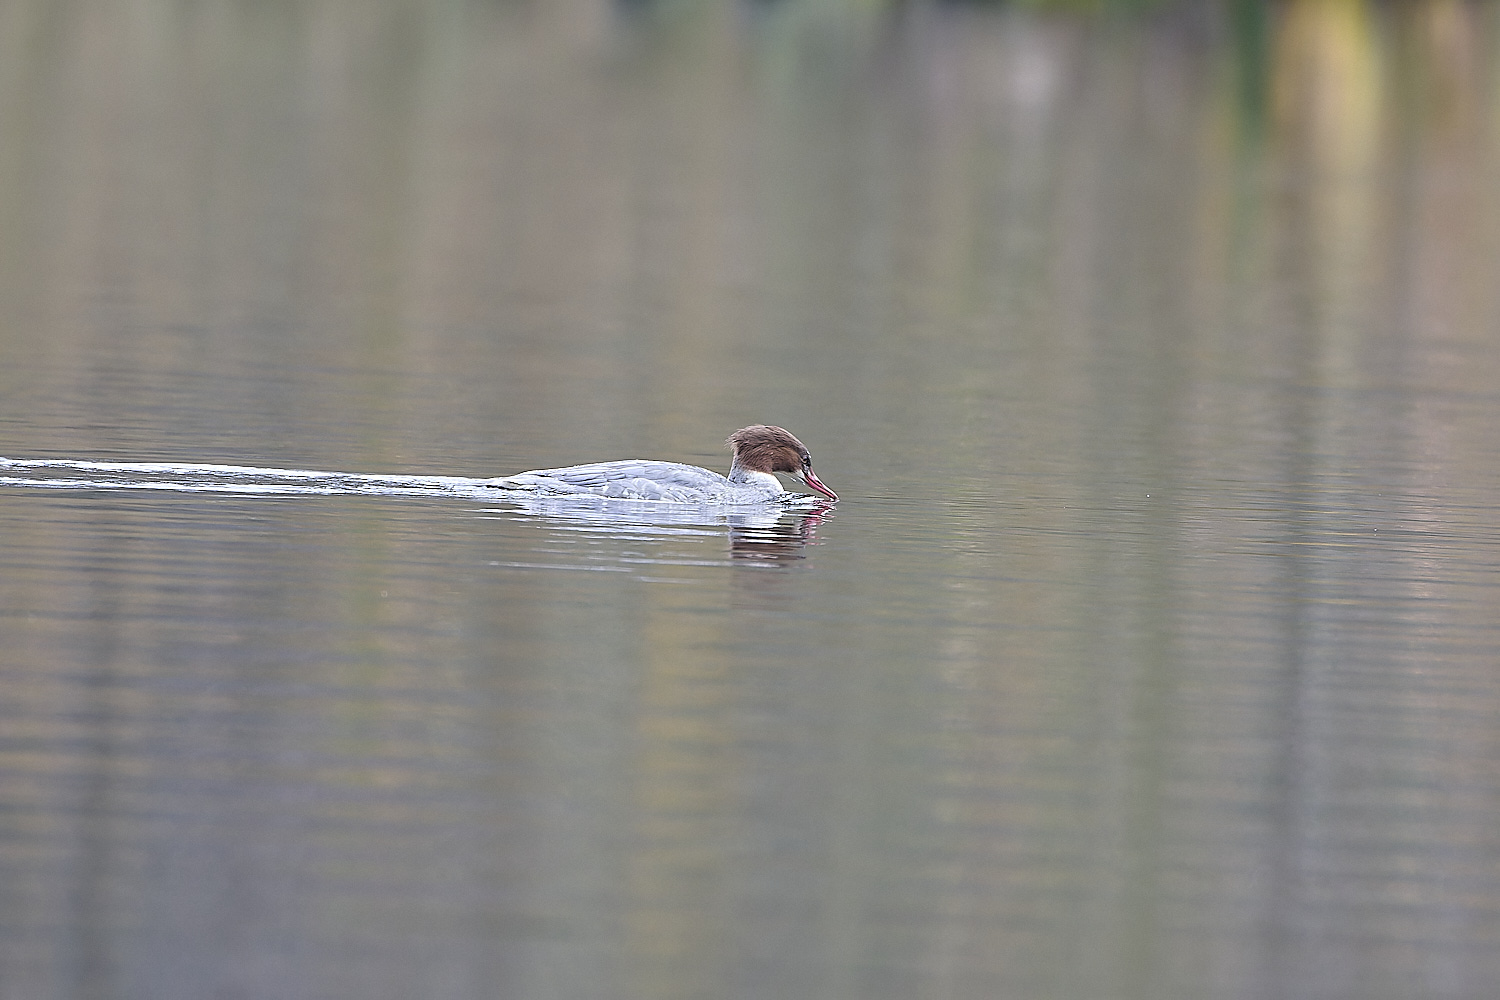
x=758 y=452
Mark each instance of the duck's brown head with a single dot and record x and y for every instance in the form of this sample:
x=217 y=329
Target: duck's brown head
x=763 y=448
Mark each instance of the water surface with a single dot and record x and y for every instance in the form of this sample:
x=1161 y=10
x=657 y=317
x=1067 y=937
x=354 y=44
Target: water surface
x=1151 y=651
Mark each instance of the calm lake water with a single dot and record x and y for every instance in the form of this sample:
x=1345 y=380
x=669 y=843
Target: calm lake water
x=1152 y=652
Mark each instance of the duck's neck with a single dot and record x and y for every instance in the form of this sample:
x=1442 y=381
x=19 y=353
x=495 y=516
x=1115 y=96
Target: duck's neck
x=760 y=480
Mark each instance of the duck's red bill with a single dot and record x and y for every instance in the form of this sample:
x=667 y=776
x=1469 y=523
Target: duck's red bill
x=817 y=484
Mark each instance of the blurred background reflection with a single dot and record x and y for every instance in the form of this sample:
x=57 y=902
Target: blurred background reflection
x=1151 y=652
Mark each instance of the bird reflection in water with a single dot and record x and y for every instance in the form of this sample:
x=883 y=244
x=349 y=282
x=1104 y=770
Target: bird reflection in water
x=776 y=542
x=772 y=535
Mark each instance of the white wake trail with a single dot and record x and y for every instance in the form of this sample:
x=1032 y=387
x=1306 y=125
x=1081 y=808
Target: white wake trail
x=185 y=477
